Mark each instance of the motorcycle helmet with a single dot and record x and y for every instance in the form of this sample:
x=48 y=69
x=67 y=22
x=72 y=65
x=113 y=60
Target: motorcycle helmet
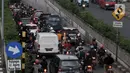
x=80 y=44
x=94 y=39
x=91 y=46
x=37 y=61
x=44 y=58
x=109 y=54
x=101 y=46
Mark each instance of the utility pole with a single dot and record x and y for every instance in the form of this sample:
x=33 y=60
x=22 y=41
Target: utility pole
x=2 y=25
x=117 y=40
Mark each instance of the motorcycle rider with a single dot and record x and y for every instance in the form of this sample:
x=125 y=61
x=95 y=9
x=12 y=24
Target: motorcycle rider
x=80 y=47
x=44 y=62
x=37 y=66
x=88 y=60
x=94 y=43
x=67 y=46
x=101 y=52
x=108 y=61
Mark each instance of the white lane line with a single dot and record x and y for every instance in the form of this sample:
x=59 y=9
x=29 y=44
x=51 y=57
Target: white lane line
x=0 y=58
x=1 y=72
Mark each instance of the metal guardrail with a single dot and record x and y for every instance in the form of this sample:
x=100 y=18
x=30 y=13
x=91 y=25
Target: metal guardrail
x=123 y=56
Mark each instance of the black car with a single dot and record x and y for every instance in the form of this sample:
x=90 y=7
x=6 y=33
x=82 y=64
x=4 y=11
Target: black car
x=73 y=33
x=15 y=11
x=64 y=64
x=55 y=22
x=25 y=21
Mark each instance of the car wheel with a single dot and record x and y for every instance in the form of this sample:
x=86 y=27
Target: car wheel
x=105 y=8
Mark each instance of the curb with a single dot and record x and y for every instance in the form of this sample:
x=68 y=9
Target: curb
x=120 y=67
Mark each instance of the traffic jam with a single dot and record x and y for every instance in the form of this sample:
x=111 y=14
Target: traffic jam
x=54 y=48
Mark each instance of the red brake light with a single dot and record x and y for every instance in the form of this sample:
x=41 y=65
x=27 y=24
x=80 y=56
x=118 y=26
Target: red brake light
x=60 y=70
x=31 y=22
x=20 y=23
x=110 y=67
x=89 y=67
x=39 y=46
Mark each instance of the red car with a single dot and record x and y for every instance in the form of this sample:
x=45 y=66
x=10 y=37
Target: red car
x=36 y=16
x=107 y=4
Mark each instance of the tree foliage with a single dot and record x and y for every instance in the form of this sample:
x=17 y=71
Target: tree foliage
x=98 y=25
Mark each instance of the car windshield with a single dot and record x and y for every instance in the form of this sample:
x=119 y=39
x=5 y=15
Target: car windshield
x=32 y=27
x=110 y=0
x=75 y=31
x=37 y=14
x=70 y=63
x=25 y=21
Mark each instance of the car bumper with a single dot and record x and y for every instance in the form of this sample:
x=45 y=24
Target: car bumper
x=110 y=7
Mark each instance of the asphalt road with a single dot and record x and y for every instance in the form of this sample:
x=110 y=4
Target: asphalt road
x=106 y=16
x=41 y=5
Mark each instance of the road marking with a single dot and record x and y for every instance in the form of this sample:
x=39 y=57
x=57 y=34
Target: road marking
x=1 y=72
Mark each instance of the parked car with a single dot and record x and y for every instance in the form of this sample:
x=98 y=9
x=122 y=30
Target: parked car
x=83 y=3
x=107 y=4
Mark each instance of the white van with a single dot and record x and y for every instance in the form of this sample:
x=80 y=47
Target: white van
x=47 y=43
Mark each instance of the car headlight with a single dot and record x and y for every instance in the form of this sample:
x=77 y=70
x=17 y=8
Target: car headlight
x=107 y=4
x=78 y=34
x=83 y=5
x=51 y=28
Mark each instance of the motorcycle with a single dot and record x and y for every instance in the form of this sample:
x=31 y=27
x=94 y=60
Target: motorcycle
x=109 y=69
x=89 y=69
x=94 y=62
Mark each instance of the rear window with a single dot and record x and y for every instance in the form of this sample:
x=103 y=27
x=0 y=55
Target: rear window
x=75 y=31
x=25 y=21
x=71 y=63
x=54 y=19
x=32 y=27
x=49 y=40
x=37 y=14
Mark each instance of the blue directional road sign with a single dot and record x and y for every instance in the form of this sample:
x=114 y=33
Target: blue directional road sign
x=14 y=50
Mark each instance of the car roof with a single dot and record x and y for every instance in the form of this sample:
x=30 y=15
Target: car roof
x=47 y=34
x=67 y=57
x=71 y=28
x=31 y=25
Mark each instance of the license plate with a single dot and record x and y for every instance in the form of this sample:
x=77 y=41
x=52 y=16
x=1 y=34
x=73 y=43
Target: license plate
x=48 y=49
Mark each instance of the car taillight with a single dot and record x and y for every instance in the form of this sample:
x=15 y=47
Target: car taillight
x=39 y=46
x=45 y=70
x=38 y=30
x=20 y=23
x=110 y=67
x=59 y=70
x=31 y=22
x=89 y=67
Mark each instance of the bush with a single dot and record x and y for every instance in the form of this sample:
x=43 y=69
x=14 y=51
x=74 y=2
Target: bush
x=98 y=25
x=10 y=32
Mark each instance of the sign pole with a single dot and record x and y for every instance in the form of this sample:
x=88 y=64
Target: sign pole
x=117 y=40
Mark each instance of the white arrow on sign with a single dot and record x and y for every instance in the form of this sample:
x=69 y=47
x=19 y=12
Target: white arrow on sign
x=14 y=50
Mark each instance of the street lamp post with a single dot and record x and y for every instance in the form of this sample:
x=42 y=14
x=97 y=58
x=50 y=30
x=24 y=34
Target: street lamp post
x=2 y=24
x=117 y=40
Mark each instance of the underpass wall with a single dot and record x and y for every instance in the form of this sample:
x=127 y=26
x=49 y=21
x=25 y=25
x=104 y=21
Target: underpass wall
x=86 y=30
